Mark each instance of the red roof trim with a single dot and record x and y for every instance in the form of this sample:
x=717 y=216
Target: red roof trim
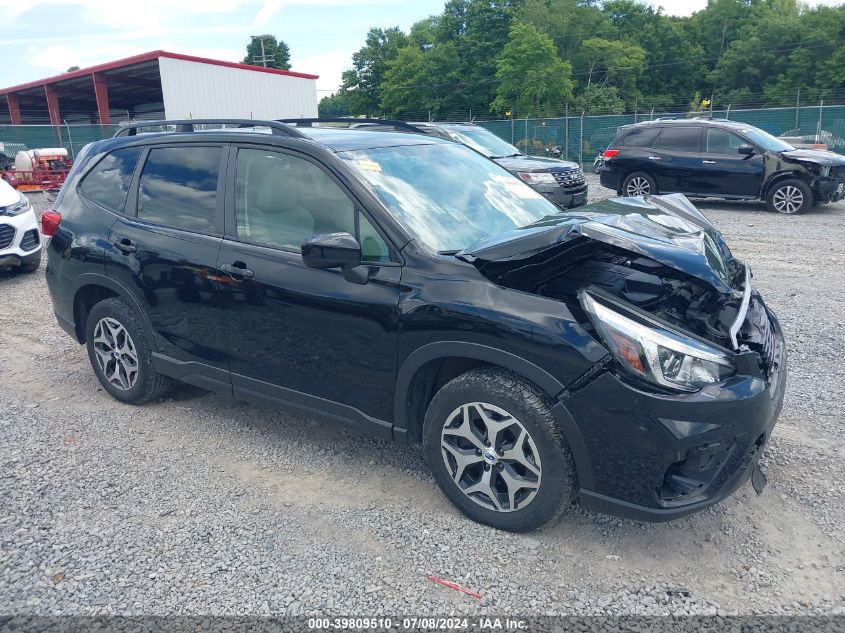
x=145 y=57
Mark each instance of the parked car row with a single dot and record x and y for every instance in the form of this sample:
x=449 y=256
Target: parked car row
x=404 y=284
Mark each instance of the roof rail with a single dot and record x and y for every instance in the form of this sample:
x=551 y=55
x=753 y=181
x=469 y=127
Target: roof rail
x=399 y=125
x=187 y=125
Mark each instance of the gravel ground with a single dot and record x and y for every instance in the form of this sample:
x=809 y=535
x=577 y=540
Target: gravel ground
x=199 y=505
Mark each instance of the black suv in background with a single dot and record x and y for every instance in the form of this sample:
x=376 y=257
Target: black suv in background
x=560 y=181
x=409 y=287
x=720 y=158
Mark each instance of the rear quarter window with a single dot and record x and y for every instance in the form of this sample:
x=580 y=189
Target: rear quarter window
x=639 y=137
x=108 y=183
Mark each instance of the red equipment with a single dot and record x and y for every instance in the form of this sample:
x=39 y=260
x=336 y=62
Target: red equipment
x=39 y=169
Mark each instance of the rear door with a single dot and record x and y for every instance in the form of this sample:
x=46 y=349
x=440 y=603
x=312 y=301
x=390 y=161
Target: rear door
x=675 y=157
x=724 y=171
x=164 y=251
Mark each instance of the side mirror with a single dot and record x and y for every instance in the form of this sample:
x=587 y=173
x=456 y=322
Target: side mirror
x=331 y=250
x=746 y=150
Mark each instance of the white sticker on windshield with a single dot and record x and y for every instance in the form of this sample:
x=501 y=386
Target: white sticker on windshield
x=369 y=165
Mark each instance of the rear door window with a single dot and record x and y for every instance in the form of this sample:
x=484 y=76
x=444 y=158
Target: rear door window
x=178 y=187
x=640 y=137
x=108 y=183
x=680 y=139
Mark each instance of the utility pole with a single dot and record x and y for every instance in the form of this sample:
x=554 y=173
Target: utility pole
x=263 y=58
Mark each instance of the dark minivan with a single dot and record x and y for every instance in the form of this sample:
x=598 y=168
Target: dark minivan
x=413 y=289
x=720 y=158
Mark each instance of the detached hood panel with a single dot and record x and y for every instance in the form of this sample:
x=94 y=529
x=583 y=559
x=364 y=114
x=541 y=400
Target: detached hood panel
x=667 y=229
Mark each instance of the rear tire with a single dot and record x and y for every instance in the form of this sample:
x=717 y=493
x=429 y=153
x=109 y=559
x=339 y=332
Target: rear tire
x=494 y=448
x=790 y=197
x=121 y=353
x=639 y=183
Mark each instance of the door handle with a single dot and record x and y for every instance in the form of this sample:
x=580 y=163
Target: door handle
x=654 y=158
x=709 y=162
x=125 y=246
x=237 y=270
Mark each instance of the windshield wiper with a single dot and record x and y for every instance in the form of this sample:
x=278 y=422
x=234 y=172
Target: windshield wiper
x=508 y=156
x=452 y=252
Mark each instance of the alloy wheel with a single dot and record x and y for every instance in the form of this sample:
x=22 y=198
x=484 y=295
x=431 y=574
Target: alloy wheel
x=116 y=355
x=788 y=199
x=491 y=457
x=638 y=186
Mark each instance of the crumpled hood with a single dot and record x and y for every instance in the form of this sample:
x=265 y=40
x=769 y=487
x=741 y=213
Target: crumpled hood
x=667 y=228
x=535 y=163
x=818 y=156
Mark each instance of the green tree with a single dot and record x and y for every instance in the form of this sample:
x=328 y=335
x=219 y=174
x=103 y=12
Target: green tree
x=419 y=83
x=276 y=52
x=532 y=78
x=599 y=99
x=71 y=69
x=336 y=104
x=363 y=82
x=615 y=62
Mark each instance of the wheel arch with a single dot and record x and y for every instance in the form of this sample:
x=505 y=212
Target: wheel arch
x=431 y=366
x=90 y=289
x=785 y=175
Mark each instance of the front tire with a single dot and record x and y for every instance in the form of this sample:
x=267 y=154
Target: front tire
x=790 y=197
x=494 y=448
x=121 y=354
x=639 y=183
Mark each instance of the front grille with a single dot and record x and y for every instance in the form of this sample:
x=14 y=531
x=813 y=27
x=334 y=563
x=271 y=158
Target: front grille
x=7 y=234
x=30 y=240
x=569 y=179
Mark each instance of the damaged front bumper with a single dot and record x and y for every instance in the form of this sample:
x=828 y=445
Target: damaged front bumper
x=828 y=190
x=656 y=456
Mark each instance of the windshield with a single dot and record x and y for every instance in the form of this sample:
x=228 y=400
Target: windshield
x=765 y=140
x=483 y=141
x=446 y=195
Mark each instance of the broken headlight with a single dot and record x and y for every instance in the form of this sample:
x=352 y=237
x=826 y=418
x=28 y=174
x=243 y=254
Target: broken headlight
x=656 y=352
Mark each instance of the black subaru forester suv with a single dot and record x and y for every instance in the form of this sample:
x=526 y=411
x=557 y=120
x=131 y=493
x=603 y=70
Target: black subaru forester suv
x=410 y=287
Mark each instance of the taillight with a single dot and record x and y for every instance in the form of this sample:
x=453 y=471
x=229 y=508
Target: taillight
x=610 y=153
x=50 y=222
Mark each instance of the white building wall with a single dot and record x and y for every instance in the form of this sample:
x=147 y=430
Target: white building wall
x=196 y=90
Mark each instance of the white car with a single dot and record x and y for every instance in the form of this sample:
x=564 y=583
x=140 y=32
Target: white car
x=20 y=239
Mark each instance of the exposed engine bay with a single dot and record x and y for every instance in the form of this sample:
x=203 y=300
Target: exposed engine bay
x=659 y=254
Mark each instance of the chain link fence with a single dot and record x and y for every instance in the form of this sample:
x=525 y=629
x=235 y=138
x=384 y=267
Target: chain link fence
x=580 y=138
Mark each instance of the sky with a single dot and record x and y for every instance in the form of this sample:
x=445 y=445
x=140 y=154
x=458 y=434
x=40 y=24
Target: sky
x=42 y=38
